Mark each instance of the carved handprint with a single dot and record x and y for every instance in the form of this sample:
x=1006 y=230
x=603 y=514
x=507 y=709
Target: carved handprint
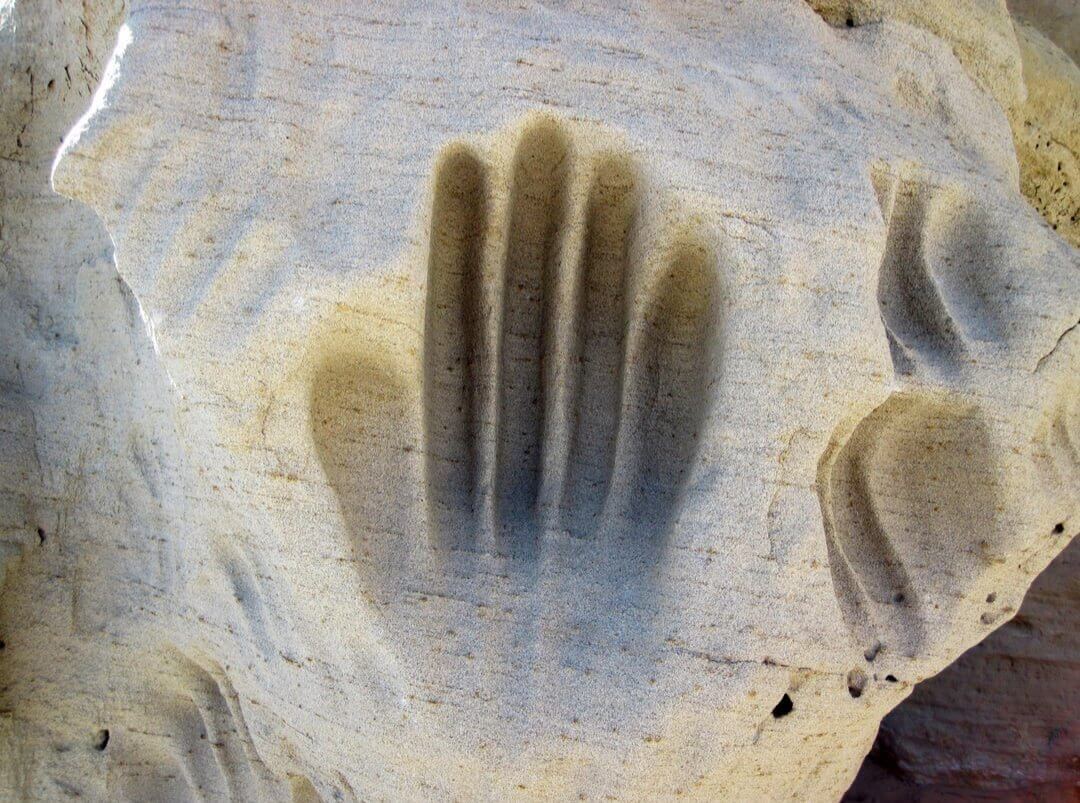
x=550 y=397
x=568 y=334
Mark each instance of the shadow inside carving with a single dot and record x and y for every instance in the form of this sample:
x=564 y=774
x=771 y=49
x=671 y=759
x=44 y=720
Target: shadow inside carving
x=599 y=345
x=668 y=399
x=570 y=407
x=453 y=344
x=943 y=284
x=527 y=337
x=917 y=320
x=911 y=493
x=361 y=422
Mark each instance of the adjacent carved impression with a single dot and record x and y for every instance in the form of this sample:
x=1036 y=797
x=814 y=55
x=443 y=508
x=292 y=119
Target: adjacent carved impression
x=942 y=285
x=893 y=496
x=204 y=751
x=917 y=319
x=914 y=487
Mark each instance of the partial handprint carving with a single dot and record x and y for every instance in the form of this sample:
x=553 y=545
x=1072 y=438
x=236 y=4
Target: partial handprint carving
x=893 y=496
x=942 y=288
x=920 y=495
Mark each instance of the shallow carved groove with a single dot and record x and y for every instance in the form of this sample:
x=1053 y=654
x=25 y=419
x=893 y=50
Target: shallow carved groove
x=204 y=750
x=453 y=334
x=359 y=417
x=670 y=376
x=893 y=497
x=917 y=320
x=535 y=220
x=600 y=332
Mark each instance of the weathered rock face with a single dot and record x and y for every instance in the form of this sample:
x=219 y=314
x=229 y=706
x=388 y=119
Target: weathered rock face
x=1057 y=20
x=999 y=723
x=542 y=402
x=1046 y=134
x=1033 y=79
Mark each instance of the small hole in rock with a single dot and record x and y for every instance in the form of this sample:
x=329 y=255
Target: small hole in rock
x=1059 y=528
x=783 y=708
x=3 y=644
x=872 y=651
x=101 y=739
x=40 y=535
x=899 y=598
x=991 y=597
x=856 y=682
x=891 y=678
x=849 y=22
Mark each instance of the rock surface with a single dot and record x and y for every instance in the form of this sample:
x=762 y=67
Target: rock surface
x=547 y=403
x=1057 y=20
x=978 y=32
x=1000 y=723
x=1046 y=132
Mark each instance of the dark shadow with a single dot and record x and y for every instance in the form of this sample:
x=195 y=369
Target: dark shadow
x=362 y=425
x=912 y=486
x=535 y=220
x=667 y=400
x=599 y=348
x=453 y=346
x=917 y=320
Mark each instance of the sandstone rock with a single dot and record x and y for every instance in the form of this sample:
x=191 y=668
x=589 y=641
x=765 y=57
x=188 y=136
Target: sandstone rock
x=979 y=32
x=539 y=402
x=999 y=723
x=1035 y=83
x=1047 y=135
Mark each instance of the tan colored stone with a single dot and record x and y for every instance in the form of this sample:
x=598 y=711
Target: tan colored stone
x=1046 y=129
x=1057 y=20
x=978 y=31
x=526 y=402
